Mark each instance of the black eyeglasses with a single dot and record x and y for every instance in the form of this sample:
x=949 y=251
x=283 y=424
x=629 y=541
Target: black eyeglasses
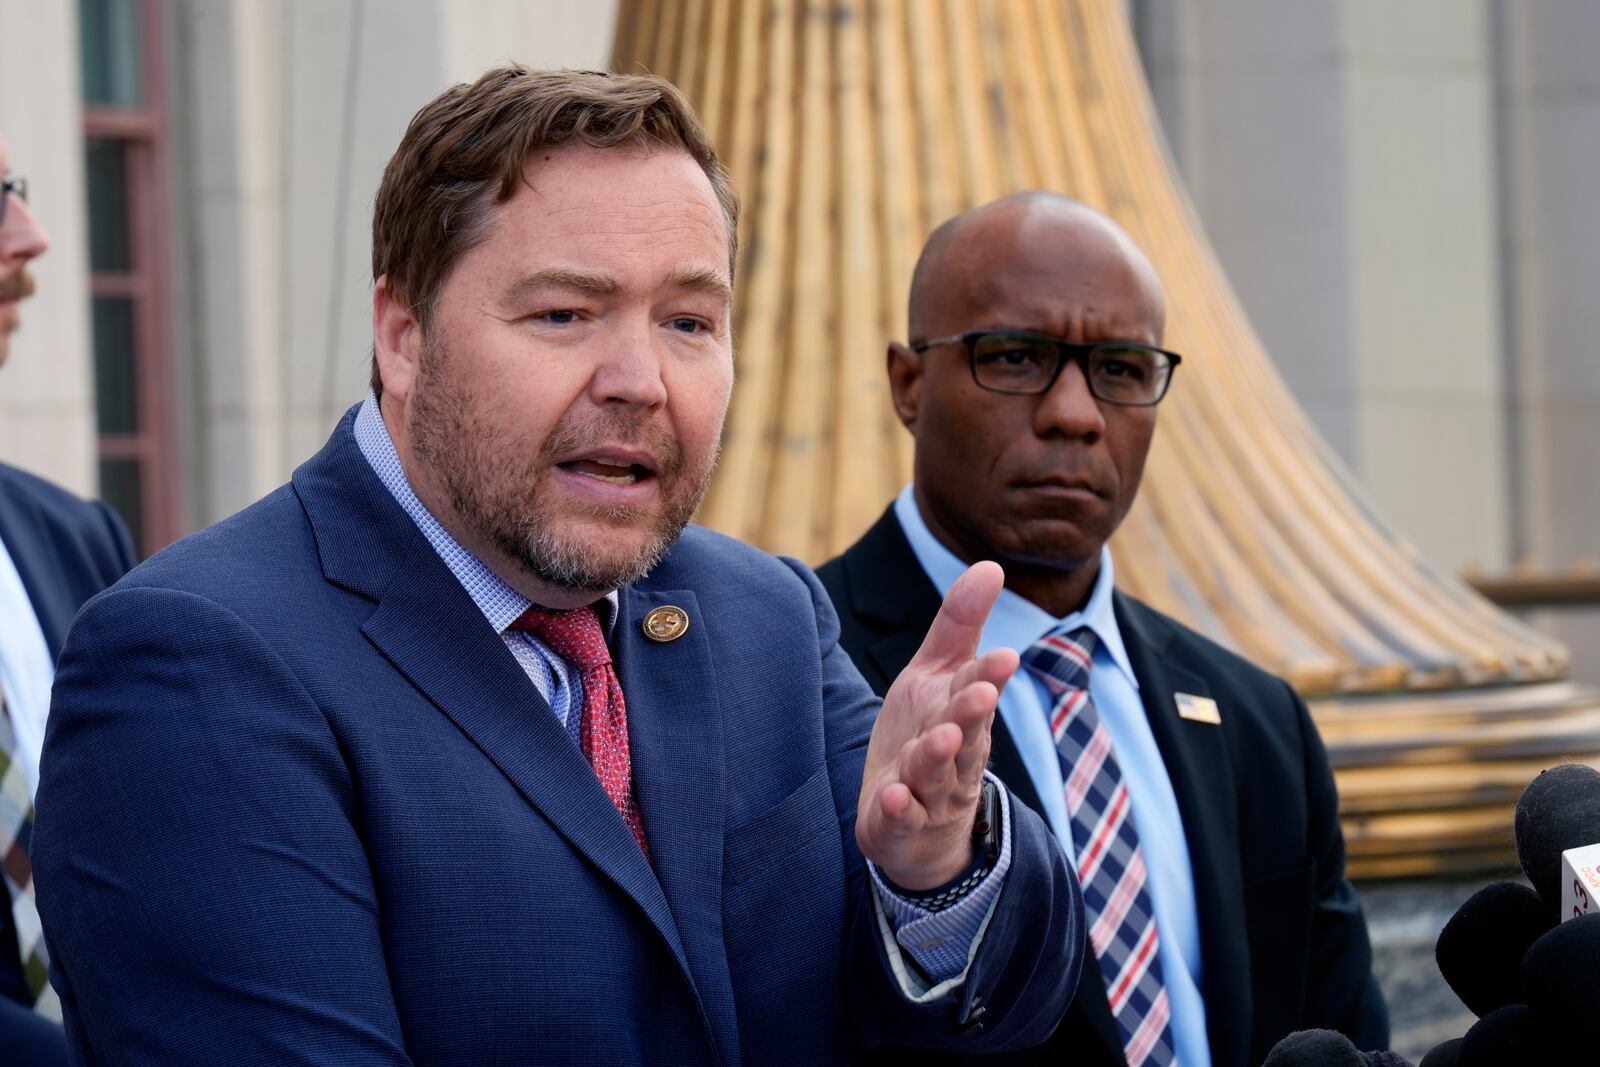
x=7 y=187
x=1023 y=363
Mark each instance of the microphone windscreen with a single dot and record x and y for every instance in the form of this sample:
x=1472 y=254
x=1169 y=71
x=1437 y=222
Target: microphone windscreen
x=1384 y=1058
x=1314 y=1048
x=1558 y=979
x=1559 y=810
x=1445 y=1055
x=1503 y=1038
x=1480 y=949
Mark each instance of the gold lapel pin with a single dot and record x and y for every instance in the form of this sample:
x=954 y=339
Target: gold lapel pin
x=666 y=623
x=1199 y=709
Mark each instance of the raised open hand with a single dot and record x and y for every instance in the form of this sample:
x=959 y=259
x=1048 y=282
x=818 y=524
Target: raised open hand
x=929 y=747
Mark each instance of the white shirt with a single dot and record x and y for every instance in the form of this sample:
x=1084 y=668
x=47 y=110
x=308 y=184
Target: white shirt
x=26 y=669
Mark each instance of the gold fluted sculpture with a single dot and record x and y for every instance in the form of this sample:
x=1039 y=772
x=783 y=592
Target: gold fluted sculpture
x=854 y=127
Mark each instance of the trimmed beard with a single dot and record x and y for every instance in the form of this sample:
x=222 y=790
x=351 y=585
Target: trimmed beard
x=493 y=489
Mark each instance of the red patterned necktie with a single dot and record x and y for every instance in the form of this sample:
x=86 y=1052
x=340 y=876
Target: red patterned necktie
x=576 y=637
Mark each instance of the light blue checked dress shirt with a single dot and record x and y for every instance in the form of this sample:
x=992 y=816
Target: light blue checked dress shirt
x=1025 y=707
x=557 y=680
x=941 y=943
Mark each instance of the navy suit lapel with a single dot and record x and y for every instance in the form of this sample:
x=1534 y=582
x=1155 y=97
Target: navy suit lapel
x=675 y=739
x=27 y=541
x=431 y=631
x=891 y=653
x=1201 y=771
x=889 y=586
x=1005 y=760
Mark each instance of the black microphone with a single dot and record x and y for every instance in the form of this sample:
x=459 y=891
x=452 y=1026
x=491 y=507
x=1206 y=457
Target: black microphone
x=1314 y=1048
x=1559 y=810
x=1447 y=1054
x=1503 y=1038
x=1558 y=980
x=1481 y=947
x=1326 y=1048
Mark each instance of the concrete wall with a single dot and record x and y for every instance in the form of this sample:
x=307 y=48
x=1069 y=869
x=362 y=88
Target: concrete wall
x=1550 y=112
x=1342 y=156
x=1250 y=96
x=46 y=387
x=1402 y=194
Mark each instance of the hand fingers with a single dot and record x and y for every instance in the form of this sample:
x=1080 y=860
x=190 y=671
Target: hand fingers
x=896 y=802
x=953 y=637
x=995 y=666
x=975 y=709
x=971 y=708
x=895 y=813
x=931 y=776
x=928 y=767
x=943 y=767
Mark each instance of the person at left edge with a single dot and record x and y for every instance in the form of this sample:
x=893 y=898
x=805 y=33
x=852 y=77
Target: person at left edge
x=56 y=551
x=415 y=761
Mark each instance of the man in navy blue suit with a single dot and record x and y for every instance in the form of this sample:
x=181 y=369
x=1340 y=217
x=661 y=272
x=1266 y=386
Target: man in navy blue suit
x=56 y=551
x=463 y=748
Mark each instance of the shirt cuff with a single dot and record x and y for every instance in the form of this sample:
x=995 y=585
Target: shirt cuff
x=942 y=944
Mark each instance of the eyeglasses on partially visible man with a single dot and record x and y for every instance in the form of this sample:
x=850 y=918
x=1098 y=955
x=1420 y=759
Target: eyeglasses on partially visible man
x=1024 y=363
x=8 y=185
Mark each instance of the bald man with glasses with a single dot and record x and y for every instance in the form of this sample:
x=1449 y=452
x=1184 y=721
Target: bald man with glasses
x=1189 y=787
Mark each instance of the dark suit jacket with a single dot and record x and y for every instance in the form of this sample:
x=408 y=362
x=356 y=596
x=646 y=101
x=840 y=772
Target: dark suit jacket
x=301 y=805
x=1283 y=944
x=66 y=550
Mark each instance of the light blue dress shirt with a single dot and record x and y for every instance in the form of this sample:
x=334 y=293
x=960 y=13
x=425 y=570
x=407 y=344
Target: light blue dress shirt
x=1025 y=706
x=559 y=682
x=941 y=943
x=26 y=669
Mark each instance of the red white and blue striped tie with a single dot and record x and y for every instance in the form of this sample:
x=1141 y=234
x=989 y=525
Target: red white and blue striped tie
x=1110 y=863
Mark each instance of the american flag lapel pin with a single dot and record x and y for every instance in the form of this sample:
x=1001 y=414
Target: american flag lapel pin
x=1199 y=709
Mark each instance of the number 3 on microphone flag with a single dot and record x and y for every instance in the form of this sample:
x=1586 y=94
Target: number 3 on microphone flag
x=1580 y=882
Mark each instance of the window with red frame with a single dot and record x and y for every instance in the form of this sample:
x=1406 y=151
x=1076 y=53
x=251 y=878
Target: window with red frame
x=124 y=128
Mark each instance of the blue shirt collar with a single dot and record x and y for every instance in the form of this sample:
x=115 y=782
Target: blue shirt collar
x=1015 y=622
x=501 y=605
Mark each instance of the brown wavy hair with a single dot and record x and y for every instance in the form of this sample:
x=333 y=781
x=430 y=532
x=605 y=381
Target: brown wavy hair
x=466 y=150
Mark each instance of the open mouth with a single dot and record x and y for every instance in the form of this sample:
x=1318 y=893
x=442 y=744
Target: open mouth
x=612 y=471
